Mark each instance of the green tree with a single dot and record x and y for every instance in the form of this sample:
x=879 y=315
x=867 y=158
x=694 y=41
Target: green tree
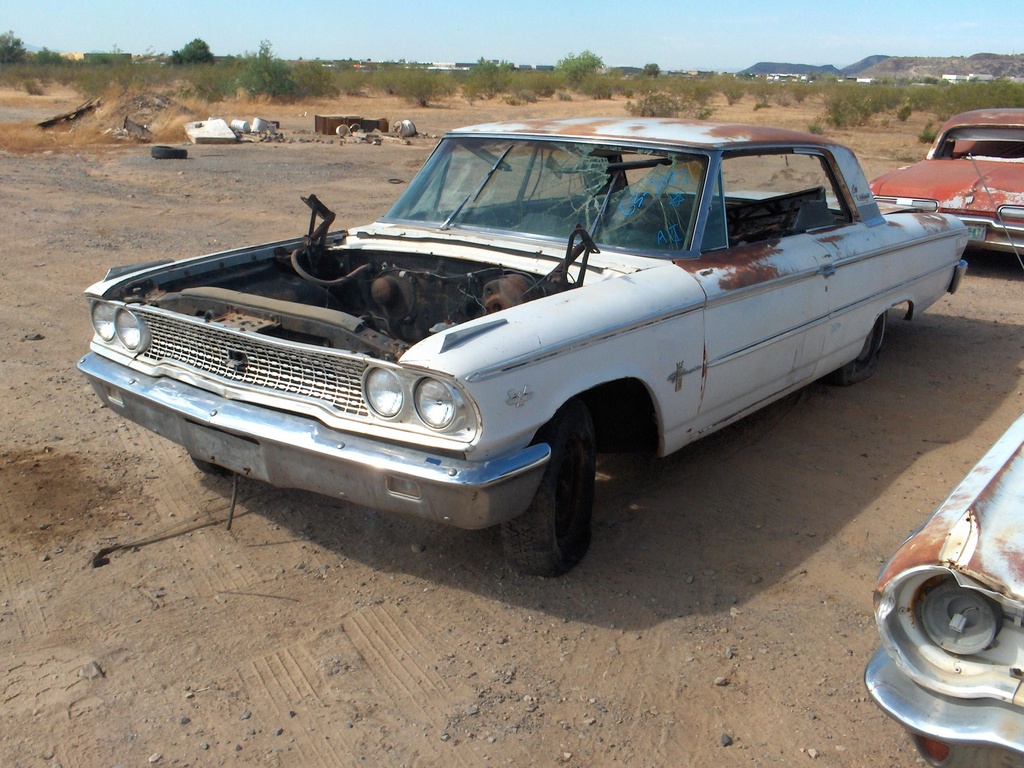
x=48 y=58
x=196 y=52
x=578 y=68
x=651 y=70
x=12 y=50
x=263 y=74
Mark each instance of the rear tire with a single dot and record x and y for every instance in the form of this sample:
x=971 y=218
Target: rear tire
x=553 y=535
x=863 y=366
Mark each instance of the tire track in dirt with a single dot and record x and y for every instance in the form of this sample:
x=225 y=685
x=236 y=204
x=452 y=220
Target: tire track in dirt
x=403 y=661
x=23 y=605
x=289 y=680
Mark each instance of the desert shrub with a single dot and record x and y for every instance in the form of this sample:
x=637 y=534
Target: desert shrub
x=904 y=112
x=927 y=134
x=420 y=86
x=351 y=82
x=210 y=83
x=816 y=129
x=564 y=96
x=263 y=74
x=847 y=106
x=524 y=95
x=314 y=80
x=32 y=87
x=733 y=89
x=597 y=86
x=654 y=104
x=761 y=105
x=385 y=80
x=544 y=84
x=799 y=91
x=94 y=78
x=488 y=78
x=694 y=97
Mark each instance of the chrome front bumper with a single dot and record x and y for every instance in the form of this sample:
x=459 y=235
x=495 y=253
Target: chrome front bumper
x=291 y=451
x=978 y=731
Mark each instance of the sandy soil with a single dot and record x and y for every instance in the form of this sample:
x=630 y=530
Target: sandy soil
x=722 y=617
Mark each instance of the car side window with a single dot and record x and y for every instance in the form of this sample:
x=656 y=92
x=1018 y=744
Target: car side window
x=762 y=197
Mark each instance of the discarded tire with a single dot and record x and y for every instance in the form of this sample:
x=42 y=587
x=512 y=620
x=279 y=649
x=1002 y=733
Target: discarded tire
x=161 y=152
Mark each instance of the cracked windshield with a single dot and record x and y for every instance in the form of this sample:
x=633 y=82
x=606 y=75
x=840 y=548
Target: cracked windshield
x=625 y=197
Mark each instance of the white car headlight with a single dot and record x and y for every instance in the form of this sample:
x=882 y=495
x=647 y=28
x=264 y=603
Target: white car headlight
x=103 y=320
x=384 y=392
x=960 y=620
x=436 y=403
x=131 y=331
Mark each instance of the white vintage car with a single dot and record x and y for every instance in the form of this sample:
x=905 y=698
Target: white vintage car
x=542 y=291
x=949 y=606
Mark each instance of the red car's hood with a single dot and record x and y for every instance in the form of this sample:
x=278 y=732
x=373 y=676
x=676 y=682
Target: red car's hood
x=956 y=184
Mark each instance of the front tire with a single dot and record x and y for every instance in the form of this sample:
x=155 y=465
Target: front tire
x=863 y=366
x=553 y=535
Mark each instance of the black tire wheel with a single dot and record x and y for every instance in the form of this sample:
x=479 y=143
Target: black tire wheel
x=161 y=152
x=554 y=533
x=863 y=366
x=208 y=468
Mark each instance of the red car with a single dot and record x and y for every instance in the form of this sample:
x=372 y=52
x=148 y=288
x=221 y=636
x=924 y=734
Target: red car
x=975 y=171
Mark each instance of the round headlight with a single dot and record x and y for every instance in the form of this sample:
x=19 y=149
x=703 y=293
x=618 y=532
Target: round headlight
x=384 y=392
x=103 y=320
x=960 y=620
x=435 y=403
x=131 y=331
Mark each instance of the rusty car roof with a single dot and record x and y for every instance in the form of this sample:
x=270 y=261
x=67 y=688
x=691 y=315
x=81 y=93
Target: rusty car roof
x=985 y=117
x=650 y=130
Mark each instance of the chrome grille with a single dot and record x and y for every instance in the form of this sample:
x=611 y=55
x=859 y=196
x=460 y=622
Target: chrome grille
x=245 y=358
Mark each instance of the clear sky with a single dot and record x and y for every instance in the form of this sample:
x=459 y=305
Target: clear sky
x=674 y=34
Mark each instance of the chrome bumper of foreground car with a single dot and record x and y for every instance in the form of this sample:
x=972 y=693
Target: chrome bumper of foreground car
x=978 y=732
x=292 y=451
x=958 y=276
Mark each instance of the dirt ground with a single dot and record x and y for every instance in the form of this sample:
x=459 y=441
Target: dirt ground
x=722 y=617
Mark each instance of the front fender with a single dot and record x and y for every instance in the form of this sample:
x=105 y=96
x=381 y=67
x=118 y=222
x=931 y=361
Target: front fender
x=519 y=366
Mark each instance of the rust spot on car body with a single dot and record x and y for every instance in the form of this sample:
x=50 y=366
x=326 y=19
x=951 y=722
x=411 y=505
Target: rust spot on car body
x=986 y=506
x=738 y=267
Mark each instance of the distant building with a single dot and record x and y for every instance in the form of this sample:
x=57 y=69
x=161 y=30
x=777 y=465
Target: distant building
x=967 y=78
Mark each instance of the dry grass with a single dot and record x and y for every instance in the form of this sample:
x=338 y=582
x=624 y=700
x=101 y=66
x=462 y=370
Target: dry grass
x=882 y=145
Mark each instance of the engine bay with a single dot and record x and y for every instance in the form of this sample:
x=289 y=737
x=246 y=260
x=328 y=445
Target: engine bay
x=378 y=302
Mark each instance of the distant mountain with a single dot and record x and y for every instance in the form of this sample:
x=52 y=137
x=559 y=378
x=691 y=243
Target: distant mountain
x=863 y=65
x=779 y=68
x=903 y=67
x=917 y=67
